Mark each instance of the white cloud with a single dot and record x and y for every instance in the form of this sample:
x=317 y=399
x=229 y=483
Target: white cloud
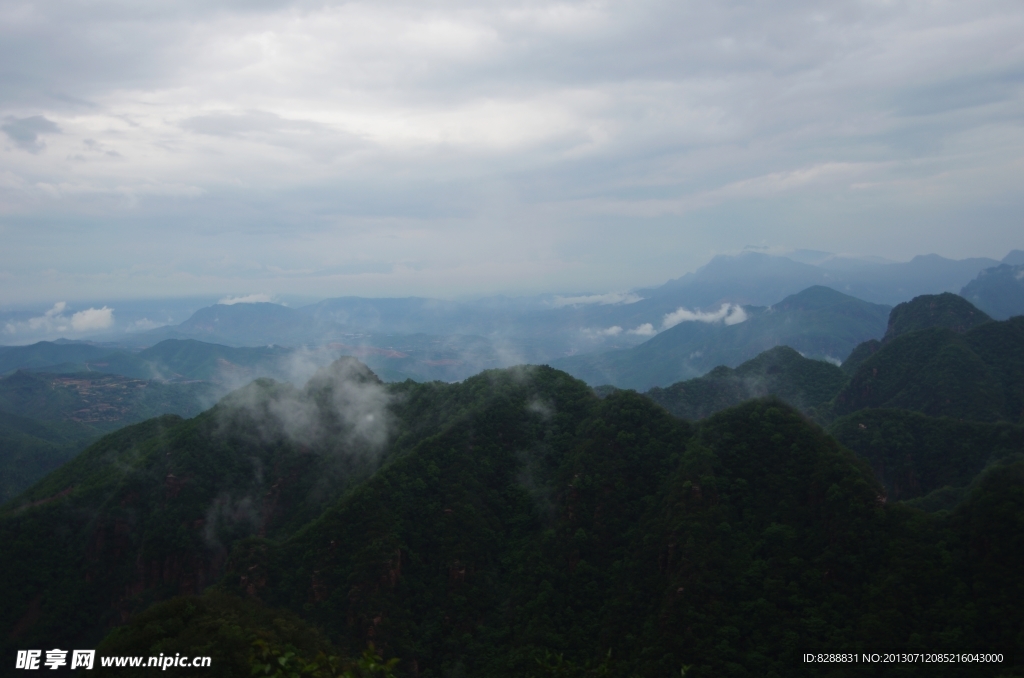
x=612 y=331
x=645 y=330
x=248 y=299
x=730 y=314
x=601 y=299
x=54 y=322
x=92 y=319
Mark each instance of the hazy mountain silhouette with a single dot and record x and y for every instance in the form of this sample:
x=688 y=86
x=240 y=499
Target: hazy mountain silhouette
x=999 y=291
x=818 y=322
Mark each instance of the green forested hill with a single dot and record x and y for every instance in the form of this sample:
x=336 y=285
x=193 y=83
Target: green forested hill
x=150 y=510
x=47 y=353
x=947 y=310
x=914 y=455
x=101 y=401
x=47 y=418
x=511 y=525
x=169 y=360
x=782 y=372
x=977 y=375
x=29 y=449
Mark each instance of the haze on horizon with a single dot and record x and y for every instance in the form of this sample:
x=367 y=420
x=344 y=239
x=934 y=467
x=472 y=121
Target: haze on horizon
x=453 y=148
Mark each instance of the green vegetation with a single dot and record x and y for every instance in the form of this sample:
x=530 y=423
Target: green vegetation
x=859 y=355
x=978 y=375
x=29 y=449
x=520 y=524
x=169 y=360
x=513 y=525
x=914 y=455
x=47 y=353
x=947 y=310
x=47 y=418
x=100 y=401
x=781 y=372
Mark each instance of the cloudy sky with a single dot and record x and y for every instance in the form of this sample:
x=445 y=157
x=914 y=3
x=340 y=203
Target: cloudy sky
x=453 y=149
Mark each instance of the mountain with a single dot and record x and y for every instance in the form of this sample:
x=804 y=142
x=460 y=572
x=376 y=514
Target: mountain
x=171 y=360
x=409 y=315
x=543 y=328
x=977 y=375
x=513 y=524
x=915 y=456
x=29 y=449
x=781 y=372
x=999 y=290
x=756 y=278
x=248 y=324
x=100 y=401
x=817 y=322
x=47 y=418
x=928 y=310
x=1014 y=258
x=189 y=359
x=176 y=493
x=48 y=354
x=934 y=310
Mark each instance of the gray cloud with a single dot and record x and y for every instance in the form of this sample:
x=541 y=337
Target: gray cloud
x=342 y=410
x=454 y=147
x=25 y=132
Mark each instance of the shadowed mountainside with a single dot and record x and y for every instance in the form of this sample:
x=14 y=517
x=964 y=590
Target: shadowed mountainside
x=781 y=372
x=976 y=375
x=947 y=310
x=486 y=526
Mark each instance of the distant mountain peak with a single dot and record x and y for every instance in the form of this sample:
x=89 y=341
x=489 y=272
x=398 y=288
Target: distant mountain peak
x=934 y=310
x=1014 y=258
x=999 y=290
x=814 y=297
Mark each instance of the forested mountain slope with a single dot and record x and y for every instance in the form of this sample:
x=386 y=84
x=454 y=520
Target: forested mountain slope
x=46 y=418
x=781 y=372
x=29 y=449
x=947 y=310
x=514 y=524
x=914 y=455
x=977 y=375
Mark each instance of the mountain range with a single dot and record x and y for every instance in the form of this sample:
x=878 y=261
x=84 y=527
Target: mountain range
x=818 y=473
x=543 y=327
x=818 y=322
x=517 y=524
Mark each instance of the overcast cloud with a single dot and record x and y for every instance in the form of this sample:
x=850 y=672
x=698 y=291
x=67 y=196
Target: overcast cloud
x=458 y=148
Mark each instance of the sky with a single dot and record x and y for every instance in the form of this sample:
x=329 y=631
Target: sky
x=458 y=149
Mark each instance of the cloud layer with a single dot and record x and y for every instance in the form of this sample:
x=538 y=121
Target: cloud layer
x=453 y=148
x=56 y=322
x=247 y=299
x=730 y=314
